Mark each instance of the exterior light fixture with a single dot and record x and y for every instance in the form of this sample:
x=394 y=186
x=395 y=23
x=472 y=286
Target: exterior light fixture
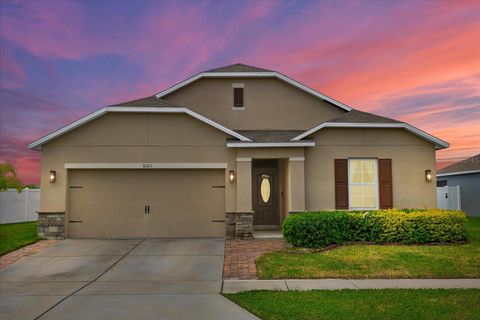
x=428 y=175
x=53 y=176
x=231 y=176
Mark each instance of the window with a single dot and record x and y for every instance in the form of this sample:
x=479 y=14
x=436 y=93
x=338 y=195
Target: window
x=362 y=184
x=265 y=188
x=441 y=183
x=238 y=97
x=238 y=103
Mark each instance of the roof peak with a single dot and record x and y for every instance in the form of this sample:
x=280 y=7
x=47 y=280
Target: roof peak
x=239 y=67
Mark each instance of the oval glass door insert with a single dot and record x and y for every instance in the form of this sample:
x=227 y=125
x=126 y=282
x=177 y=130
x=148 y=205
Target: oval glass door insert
x=265 y=189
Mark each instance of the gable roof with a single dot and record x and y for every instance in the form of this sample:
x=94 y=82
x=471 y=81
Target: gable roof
x=467 y=166
x=37 y=144
x=360 y=119
x=239 y=67
x=245 y=71
x=249 y=138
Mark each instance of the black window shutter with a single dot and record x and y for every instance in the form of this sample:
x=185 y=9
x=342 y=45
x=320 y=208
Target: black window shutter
x=341 y=184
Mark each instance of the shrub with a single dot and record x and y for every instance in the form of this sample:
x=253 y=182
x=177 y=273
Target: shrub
x=315 y=229
x=408 y=226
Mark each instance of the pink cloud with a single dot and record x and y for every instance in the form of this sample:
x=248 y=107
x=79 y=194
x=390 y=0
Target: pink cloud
x=13 y=74
x=58 y=30
x=370 y=63
x=257 y=10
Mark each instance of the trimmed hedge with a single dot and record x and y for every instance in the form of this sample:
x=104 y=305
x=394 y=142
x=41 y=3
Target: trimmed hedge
x=408 y=226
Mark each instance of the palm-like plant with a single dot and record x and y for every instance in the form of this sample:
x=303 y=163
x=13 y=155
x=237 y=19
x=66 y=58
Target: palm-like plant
x=8 y=177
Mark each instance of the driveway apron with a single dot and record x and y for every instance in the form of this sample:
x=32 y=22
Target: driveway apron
x=119 y=279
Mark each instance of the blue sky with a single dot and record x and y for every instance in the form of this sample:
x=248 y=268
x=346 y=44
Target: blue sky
x=418 y=61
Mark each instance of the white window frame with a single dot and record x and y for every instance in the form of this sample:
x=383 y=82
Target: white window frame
x=360 y=184
x=239 y=85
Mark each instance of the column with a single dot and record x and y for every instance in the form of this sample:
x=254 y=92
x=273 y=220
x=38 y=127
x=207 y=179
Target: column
x=297 y=183
x=244 y=184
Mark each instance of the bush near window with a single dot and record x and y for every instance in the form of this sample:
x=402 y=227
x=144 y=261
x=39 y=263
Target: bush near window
x=407 y=226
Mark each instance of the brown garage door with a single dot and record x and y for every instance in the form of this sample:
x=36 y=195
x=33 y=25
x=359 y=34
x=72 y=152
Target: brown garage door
x=112 y=203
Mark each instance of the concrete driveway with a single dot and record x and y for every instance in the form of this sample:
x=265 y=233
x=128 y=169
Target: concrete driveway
x=119 y=279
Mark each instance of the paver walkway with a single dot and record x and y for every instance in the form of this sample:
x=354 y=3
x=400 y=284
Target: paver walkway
x=240 y=256
x=232 y=286
x=119 y=279
x=26 y=251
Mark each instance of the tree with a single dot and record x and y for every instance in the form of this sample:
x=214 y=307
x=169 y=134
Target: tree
x=8 y=177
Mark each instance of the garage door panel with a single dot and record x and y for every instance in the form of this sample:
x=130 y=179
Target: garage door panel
x=183 y=212
x=111 y=203
x=107 y=212
x=187 y=204
x=107 y=229
x=186 y=229
x=101 y=194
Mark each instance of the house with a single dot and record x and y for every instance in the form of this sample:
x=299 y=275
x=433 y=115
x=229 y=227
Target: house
x=465 y=174
x=227 y=151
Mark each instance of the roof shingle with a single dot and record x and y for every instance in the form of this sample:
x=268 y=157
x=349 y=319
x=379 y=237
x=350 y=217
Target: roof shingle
x=150 y=101
x=356 y=116
x=469 y=164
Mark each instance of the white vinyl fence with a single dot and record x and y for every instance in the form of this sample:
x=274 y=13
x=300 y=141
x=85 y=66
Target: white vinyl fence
x=449 y=198
x=19 y=207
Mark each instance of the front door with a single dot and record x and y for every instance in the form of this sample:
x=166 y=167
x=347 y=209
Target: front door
x=265 y=192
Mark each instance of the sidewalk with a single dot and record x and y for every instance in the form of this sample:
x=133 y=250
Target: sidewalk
x=232 y=286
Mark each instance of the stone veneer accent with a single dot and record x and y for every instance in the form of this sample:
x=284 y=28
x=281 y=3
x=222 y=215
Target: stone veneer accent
x=51 y=225
x=239 y=225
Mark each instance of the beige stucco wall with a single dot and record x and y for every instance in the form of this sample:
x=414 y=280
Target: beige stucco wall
x=170 y=138
x=410 y=155
x=133 y=138
x=269 y=104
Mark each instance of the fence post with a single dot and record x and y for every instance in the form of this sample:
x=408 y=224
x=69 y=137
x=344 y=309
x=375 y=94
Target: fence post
x=444 y=197
x=25 y=204
x=459 y=202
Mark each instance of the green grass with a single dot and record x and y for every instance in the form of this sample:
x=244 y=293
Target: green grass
x=17 y=235
x=378 y=261
x=362 y=304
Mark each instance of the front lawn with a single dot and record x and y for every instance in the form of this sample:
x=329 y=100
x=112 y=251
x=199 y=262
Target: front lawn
x=362 y=304
x=378 y=261
x=17 y=235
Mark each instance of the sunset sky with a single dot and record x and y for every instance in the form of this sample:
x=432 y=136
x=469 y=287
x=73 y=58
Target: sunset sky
x=416 y=61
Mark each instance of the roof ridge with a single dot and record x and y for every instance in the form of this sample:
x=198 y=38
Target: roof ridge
x=238 y=67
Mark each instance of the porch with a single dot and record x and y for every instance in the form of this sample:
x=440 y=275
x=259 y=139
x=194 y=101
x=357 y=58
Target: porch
x=270 y=184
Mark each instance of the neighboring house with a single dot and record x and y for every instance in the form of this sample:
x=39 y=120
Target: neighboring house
x=210 y=153
x=465 y=174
